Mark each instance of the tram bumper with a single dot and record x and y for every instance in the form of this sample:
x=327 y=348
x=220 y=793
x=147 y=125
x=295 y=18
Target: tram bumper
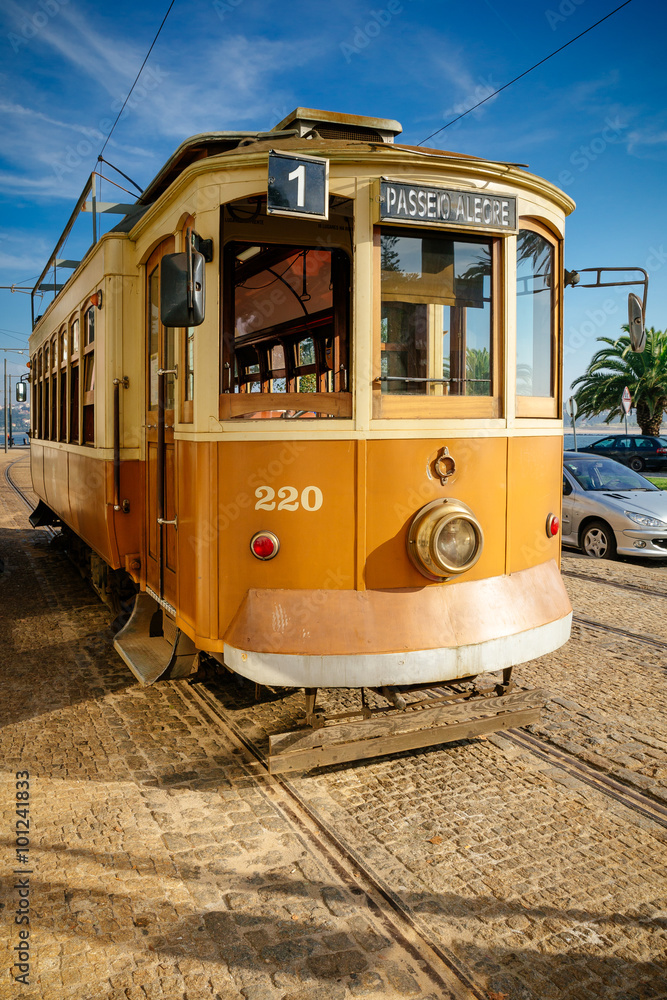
x=383 y=638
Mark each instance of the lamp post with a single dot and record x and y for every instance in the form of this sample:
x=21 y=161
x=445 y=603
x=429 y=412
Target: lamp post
x=8 y=350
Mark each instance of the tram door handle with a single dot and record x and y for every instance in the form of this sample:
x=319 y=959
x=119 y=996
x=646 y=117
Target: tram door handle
x=161 y=520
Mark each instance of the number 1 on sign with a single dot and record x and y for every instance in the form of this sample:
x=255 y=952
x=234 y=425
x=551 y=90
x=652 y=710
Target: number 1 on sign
x=299 y=175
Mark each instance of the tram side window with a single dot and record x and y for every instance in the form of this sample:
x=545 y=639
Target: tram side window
x=436 y=321
x=34 y=395
x=74 y=382
x=187 y=351
x=189 y=356
x=89 y=376
x=62 y=428
x=54 y=391
x=45 y=391
x=535 y=315
x=155 y=349
x=286 y=330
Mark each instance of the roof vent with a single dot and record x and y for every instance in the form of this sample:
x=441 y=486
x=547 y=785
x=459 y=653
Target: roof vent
x=332 y=125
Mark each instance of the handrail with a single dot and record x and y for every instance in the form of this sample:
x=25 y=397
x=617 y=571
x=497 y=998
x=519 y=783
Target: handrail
x=89 y=189
x=65 y=233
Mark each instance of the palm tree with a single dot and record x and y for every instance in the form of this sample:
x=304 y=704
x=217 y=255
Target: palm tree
x=614 y=367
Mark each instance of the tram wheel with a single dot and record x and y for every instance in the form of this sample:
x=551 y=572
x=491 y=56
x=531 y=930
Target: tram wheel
x=598 y=540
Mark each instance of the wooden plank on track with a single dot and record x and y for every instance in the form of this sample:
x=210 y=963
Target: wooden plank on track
x=404 y=722
x=305 y=760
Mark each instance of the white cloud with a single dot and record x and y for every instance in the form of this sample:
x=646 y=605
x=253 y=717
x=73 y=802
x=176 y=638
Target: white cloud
x=646 y=141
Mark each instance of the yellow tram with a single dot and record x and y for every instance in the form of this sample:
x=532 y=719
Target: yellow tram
x=306 y=397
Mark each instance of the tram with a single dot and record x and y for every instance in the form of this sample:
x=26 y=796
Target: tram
x=304 y=399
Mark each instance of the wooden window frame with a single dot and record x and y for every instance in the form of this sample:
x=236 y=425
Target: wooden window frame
x=231 y=404
x=186 y=415
x=53 y=392
x=87 y=397
x=547 y=406
x=396 y=407
x=63 y=396
x=74 y=384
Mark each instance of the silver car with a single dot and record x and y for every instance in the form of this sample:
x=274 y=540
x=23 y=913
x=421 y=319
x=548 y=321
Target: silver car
x=608 y=508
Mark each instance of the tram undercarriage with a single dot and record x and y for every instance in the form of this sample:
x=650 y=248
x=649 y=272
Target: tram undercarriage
x=453 y=695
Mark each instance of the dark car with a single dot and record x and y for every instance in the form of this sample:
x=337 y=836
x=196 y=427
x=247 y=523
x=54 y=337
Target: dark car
x=639 y=451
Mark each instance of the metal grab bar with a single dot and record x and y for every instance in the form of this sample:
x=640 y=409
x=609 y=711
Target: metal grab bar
x=117 y=382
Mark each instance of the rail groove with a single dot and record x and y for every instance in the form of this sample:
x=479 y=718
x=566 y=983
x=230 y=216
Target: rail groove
x=635 y=588
x=627 y=796
x=615 y=630
x=351 y=866
x=21 y=495
x=12 y=485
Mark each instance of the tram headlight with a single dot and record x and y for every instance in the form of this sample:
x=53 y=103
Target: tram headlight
x=445 y=539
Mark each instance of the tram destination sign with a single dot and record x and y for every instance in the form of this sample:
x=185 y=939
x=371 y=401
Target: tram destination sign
x=298 y=185
x=417 y=204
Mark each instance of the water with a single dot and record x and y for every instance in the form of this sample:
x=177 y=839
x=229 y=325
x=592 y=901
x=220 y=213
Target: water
x=584 y=439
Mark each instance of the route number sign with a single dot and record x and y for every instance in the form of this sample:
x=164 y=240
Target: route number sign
x=298 y=186
x=626 y=400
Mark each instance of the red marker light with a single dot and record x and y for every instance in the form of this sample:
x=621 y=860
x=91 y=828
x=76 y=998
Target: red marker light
x=553 y=525
x=264 y=545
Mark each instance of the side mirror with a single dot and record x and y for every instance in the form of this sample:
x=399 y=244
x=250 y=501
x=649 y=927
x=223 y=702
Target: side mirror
x=567 y=488
x=636 y=323
x=182 y=288
x=21 y=392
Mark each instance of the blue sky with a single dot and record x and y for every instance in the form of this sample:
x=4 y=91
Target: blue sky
x=592 y=119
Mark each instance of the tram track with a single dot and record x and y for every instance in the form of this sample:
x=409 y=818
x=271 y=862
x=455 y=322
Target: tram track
x=405 y=926
x=356 y=871
x=623 y=632
x=633 y=587
x=20 y=493
x=12 y=485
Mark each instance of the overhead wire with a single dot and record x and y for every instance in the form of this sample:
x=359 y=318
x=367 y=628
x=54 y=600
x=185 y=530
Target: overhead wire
x=136 y=79
x=525 y=73
x=23 y=339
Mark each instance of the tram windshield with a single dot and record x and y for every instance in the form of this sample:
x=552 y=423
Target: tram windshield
x=604 y=474
x=436 y=333
x=286 y=326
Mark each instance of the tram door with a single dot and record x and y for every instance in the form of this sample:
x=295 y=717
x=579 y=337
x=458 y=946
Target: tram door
x=161 y=514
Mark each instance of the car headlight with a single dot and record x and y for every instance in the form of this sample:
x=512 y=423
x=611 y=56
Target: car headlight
x=645 y=520
x=445 y=539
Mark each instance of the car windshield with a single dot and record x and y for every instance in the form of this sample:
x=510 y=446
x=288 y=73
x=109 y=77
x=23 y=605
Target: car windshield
x=603 y=474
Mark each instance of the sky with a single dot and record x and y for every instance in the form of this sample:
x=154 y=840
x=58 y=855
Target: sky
x=593 y=119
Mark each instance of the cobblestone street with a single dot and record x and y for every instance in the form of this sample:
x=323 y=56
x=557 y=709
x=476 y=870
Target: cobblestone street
x=164 y=863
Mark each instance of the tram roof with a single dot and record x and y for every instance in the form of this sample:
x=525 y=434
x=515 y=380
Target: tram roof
x=208 y=144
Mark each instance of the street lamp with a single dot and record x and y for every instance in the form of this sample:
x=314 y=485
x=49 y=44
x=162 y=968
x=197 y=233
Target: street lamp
x=9 y=350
